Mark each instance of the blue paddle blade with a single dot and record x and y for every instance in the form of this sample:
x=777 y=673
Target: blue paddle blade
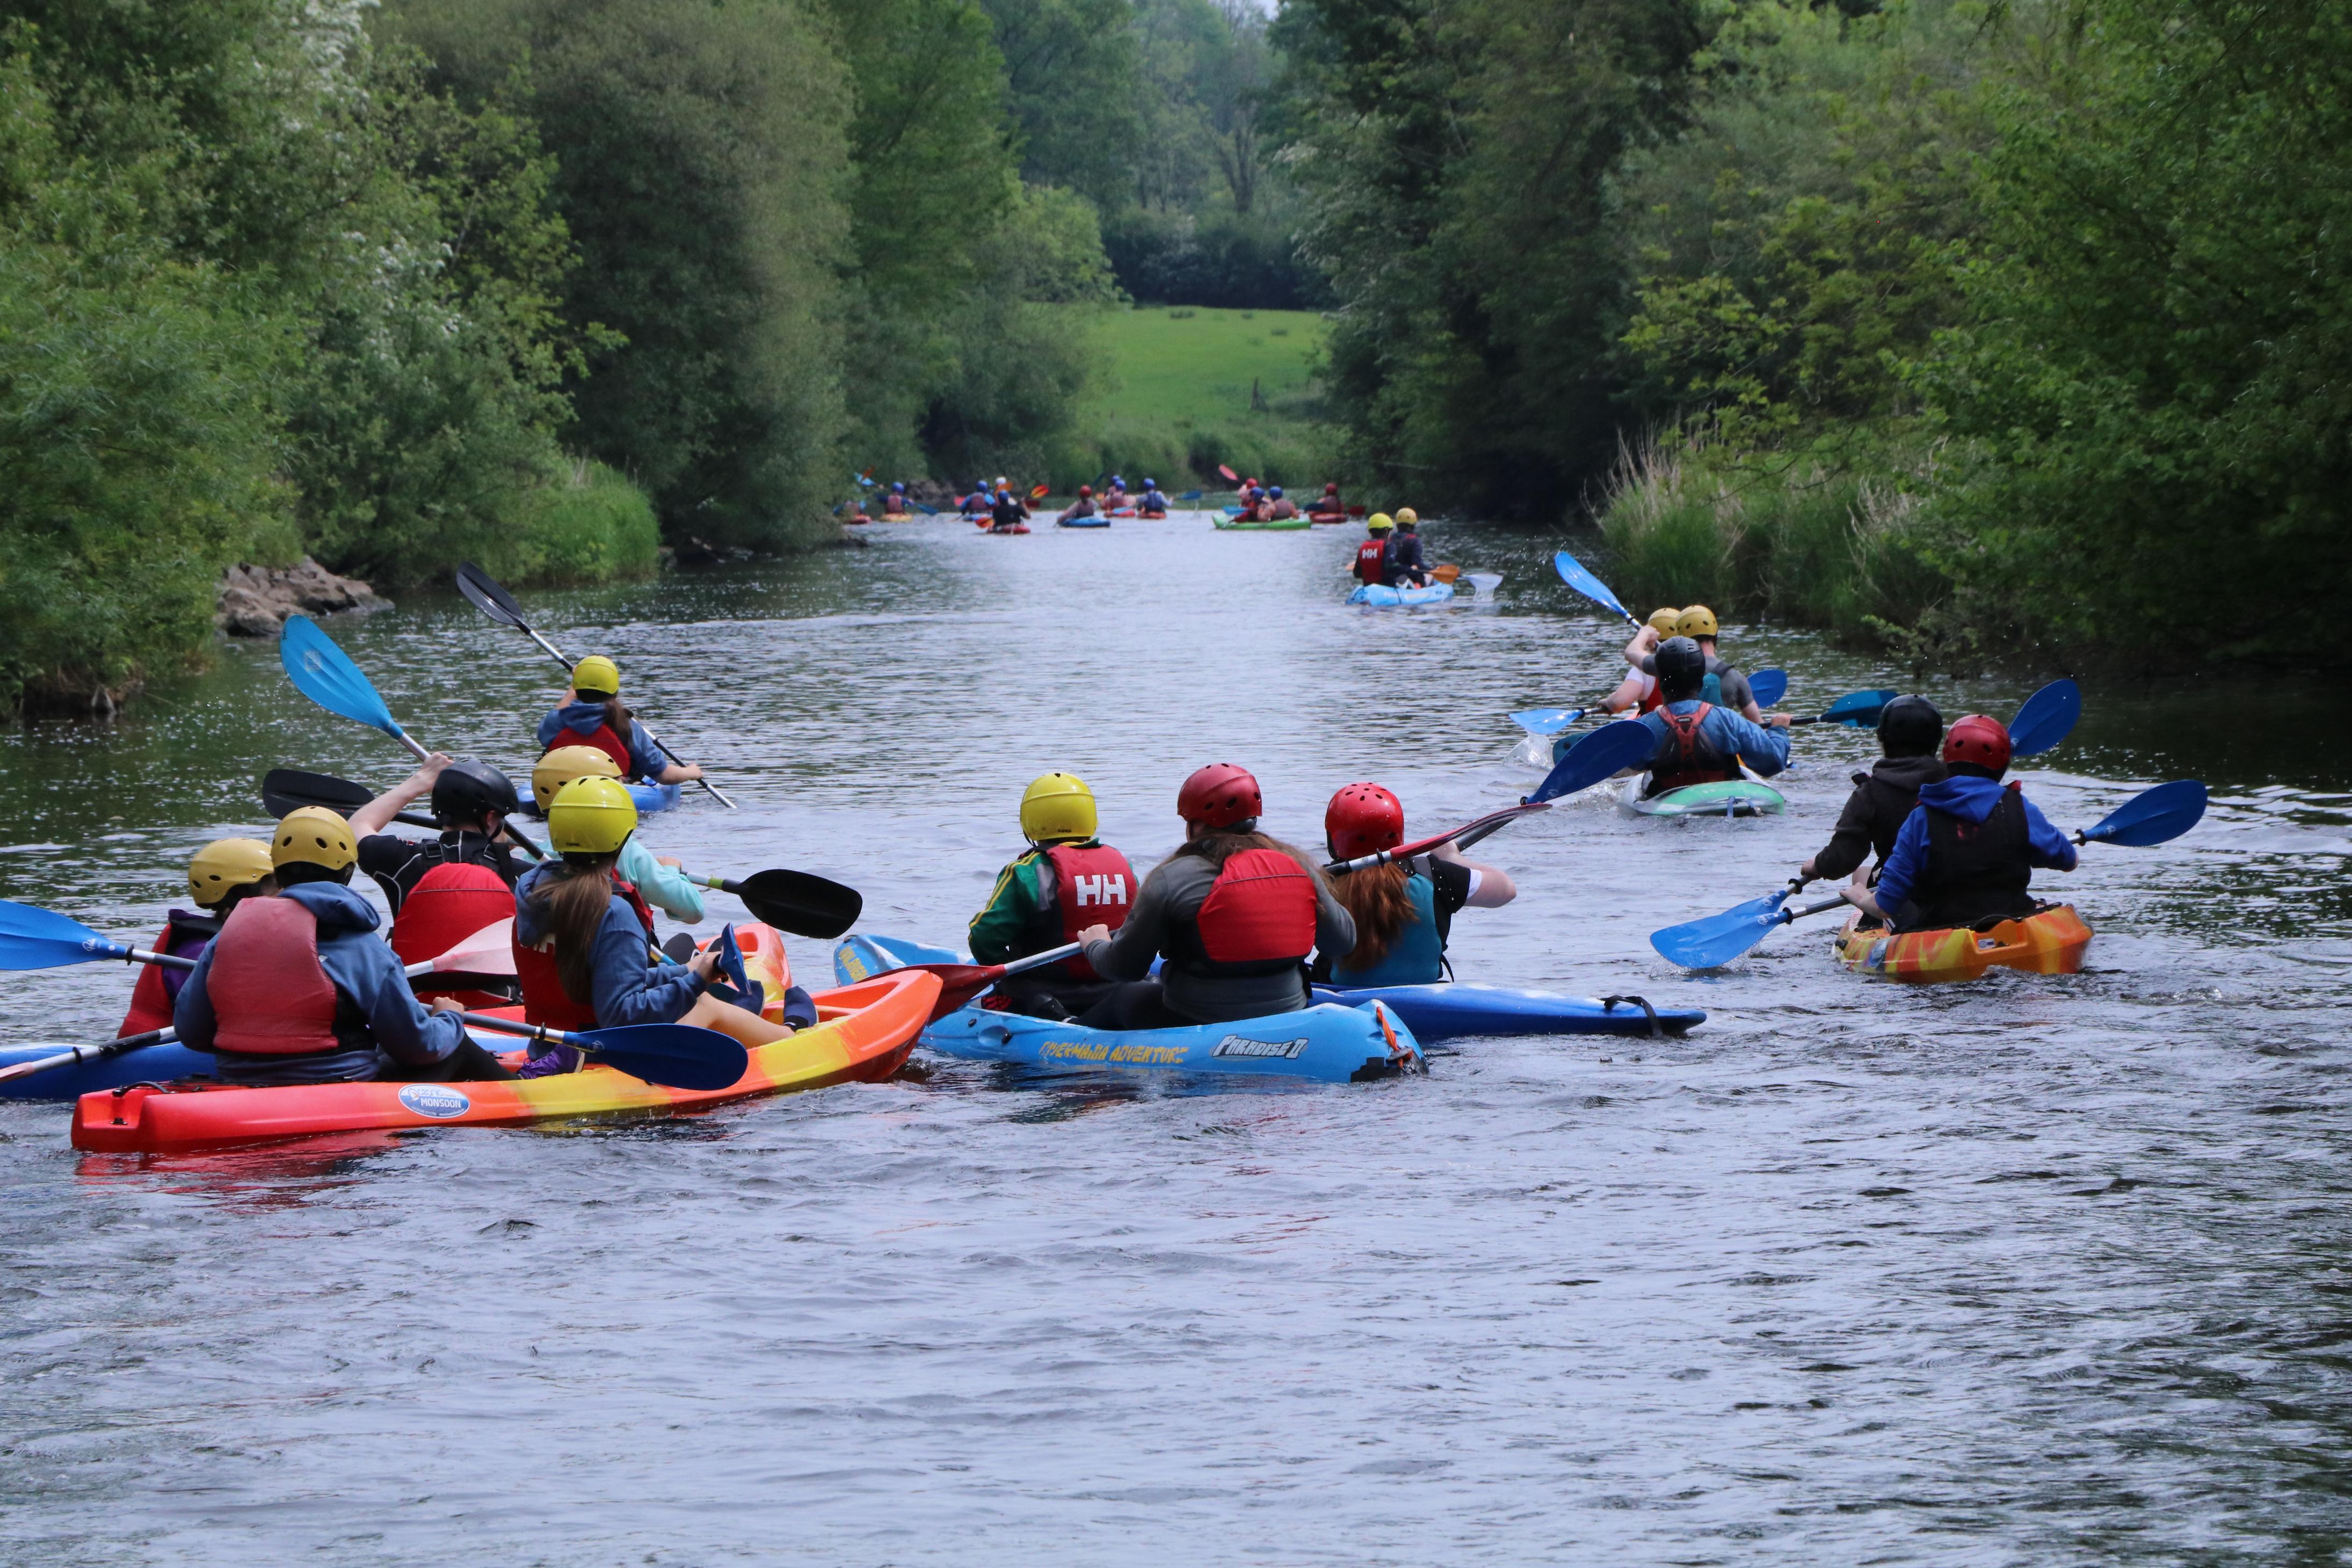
x=1859 y=709
x=326 y=675
x=2047 y=718
x=1768 y=686
x=1190 y=495
x=1572 y=573
x=34 y=938
x=677 y=1056
x=1607 y=752
x=1546 y=720
x=1719 y=939
x=2156 y=815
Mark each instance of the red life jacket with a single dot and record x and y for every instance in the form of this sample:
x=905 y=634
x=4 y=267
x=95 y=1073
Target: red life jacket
x=183 y=936
x=1093 y=885
x=269 y=991
x=1372 y=562
x=543 y=1000
x=1258 y=919
x=448 y=904
x=1692 y=758
x=1652 y=697
x=604 y=740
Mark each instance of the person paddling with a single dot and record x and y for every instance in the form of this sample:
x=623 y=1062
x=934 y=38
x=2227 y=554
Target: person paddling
x=1278 y=510
x=1909 y=731
x=1327 y=506
x=298 y=989
x=221 y=875
x=1726 y=685
x=1639 y=689
x=894 y=504
x=1405 y=565
x=1007 y=511
x=443 y=890
x=657 y=878
x=1966 y=854
x=1066 y=881
x=583 y=938
x=1082 y=507
x=1403 y=910
x=591 y=714
x=1115 y=496
x=1152 y=503
x=1699 y=742
x=1234 y=913
x=1371 y=567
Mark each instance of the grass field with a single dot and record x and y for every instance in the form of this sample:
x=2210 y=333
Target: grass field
x=1173 y=398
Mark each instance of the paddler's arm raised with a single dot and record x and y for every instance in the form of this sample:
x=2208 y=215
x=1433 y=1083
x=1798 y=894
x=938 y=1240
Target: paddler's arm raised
x=377 y=814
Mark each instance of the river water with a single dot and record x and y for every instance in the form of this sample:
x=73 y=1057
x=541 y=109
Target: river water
x=2043 y=1269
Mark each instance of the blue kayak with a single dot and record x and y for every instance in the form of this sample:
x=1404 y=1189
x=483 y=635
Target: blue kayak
x=1380 y=596
x=1448 y=1011
x=1082 y=523
x=653 y=797
x=156 y=1064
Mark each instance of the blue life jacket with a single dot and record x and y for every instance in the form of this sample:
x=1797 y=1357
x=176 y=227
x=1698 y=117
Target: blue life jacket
x=1416 y=956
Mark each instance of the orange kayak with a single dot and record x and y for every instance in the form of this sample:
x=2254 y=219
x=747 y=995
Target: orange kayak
x=863 y=1034
x=2050 y=942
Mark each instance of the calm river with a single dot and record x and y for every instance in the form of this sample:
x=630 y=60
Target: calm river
x=2046 y=1269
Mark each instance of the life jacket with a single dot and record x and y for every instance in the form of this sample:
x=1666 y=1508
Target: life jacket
x=1258 y=919
x=1005 y=513
x=1282 y=509
x=1690 y=758
x=269 y=993
x=1653 y=696
x=1093 y=885
x=451 y=848
x=449 y=903
x=1973 y=871
x=183 y=936
x=605 y=740
x=1372 y=562
x=1416 y=955
x=543 y=998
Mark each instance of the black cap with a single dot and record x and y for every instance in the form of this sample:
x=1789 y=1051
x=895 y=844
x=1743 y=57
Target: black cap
x=1910 y=727
x=1682 y=669
x=468 y=792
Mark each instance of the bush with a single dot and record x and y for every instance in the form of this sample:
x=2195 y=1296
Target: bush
x=583 y=523
x=1173 y=258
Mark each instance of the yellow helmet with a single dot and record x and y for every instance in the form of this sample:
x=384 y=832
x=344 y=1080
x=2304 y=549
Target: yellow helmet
x=563 y=765
x=1697 y=621
x=1057 y=806
x=226 y=864
x=1665 y=621
x=596 y=675
x=1380 y=522
x=313 y=836
x=591 y=816
x=1406 y=514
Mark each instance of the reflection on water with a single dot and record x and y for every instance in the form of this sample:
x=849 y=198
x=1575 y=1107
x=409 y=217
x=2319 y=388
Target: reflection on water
x=2048 y=1269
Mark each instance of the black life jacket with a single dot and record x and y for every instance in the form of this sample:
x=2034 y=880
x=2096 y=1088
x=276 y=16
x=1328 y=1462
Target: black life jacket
x=1973 y=871
x=1690 y=758
x=451 y=848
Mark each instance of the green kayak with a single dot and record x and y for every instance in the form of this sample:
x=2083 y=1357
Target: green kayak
x=1278 y=525
x=1739 y=797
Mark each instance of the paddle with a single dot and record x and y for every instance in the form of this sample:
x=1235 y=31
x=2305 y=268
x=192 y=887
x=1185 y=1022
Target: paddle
x=1547 y=721
x=1469 y=833
x=1768 y=687
x=482 y=591
x=89 y=1053
x=795 y=901
x=2047 y=718
x=677 y=1056
x=1037 y=493
x=289 y=789
x=959 y=983
x=2155 y=815
x=1572 y=573
x=1190 y=495
x=1605 y=753
x=1859 y=709
x=325 y=674
x=1715 y=941
x=1229 y=473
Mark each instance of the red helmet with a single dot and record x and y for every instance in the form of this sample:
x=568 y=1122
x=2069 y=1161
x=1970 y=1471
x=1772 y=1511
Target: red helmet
x=1363 y=819
x=1085 y=491
x=1220 y=795
x=1978 y=739
x=1330 y=490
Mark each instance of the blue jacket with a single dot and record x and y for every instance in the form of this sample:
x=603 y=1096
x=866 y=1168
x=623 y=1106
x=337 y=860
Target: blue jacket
x=1971 y=799
x=1763 y=747
x=628 y=986
x=367 y=974
x=581 y=719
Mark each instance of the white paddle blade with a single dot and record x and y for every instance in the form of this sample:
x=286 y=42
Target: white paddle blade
x=1483 y=582
x=490 y=951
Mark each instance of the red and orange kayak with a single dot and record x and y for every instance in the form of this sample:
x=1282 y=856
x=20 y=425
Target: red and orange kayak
x=863 y=1034
x=2052 y=942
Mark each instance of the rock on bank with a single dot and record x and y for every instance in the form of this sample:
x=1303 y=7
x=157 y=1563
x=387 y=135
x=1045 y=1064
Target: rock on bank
x=255 y=600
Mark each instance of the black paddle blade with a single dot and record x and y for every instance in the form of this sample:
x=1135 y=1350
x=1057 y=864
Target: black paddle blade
x=482 y=591
x=799 y=903
x=291 y=789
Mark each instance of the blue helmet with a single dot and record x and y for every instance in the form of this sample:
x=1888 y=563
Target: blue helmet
x=1275 y=492
x=1119 y=483
x=1152 y=484
x=899 y=486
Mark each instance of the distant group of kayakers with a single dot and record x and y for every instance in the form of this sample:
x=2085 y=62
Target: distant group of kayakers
x=1001 y=507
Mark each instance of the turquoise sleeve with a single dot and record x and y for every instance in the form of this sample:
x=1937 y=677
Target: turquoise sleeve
x=662 y=886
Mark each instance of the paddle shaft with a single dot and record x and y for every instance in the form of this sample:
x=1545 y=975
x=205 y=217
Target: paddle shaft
x=1469 y=833
x=79 y=1054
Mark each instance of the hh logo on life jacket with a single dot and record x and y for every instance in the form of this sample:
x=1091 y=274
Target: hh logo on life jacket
x=1110 y=887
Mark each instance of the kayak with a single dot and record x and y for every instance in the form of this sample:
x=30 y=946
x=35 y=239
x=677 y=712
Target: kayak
x=653 y=797
x=77 y=1079
x=1082 y=523
x=1329 y=1043
x=1451 y=1011
x=1277 y=525
x=1379 y=596
x=1735 y=798
x=1321 y=519
x=1016 y=528
x=865 y=1034
x=2048 y=942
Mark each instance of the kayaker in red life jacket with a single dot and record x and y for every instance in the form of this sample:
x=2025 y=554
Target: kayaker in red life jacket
x=1064 y=882
x=1115 y=496
x=1235 y=914
x=1639 y=689
x=1403 y=910
x=590 y=714
x=298 y=989
x=894 y=504
x=1082 y=507
x=221 y=875
x=583 y=943
x=1405 y=565
x=443 y=890
x=1372 y=566
x=1909 y=731
x=1966 y=854
x=1699 y=742
x=1327 y=504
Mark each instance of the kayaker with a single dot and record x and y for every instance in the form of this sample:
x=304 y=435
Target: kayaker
x=1082 y=507
x=1724 y=685
x=976 y=504
x=1968 y=852
x=1909 y=731
x=591 y=714
x=1278 y=509
x=1152 y=503
x=1403 y=910
x=1235 y=913
x=583 y=938
x=1326 y=505
x=1007 y=512
x=1639 y=689
x=221 y=875
x=1371 y=567
x=1115 y=496
x=471 y=802
x=1405 y=564
x=657 y=878
x=894 y=504
x=1699 y=742
x=1066 y=881
x=298 y=988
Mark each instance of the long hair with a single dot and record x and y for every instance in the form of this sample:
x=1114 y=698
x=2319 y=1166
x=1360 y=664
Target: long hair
x=1376 y=899
x=1218 y=845
x=616 y=714
x=570 y=898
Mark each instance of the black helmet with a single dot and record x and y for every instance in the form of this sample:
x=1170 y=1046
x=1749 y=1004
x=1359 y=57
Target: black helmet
x=1682 y=669
x=468 y=792
x=1910 y=727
